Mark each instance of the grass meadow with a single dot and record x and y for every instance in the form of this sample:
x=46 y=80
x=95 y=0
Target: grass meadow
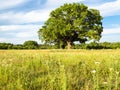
x=59 y=69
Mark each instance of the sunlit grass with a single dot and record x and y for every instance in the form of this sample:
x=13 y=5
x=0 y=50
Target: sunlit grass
x=60 y=70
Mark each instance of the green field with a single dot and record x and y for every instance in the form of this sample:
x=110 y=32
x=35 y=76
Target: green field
x=60 y=70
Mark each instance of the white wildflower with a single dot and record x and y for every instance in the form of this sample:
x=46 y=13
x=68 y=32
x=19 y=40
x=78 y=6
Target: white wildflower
x=117 y=72
x=111 y=69
x=105 y=83
x=97 y=63
x=93 y=71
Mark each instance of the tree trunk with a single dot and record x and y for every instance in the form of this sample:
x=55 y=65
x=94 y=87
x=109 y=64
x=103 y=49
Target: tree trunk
x=68 y=45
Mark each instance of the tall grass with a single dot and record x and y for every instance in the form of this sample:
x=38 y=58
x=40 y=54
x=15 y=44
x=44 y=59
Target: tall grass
x=60 y=70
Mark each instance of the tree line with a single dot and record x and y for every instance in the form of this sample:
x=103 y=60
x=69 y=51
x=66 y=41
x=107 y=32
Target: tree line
x=34 y=45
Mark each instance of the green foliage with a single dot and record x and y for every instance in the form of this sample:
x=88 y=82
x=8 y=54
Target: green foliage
x=6 y=45
x=60 y=70
x=30 y=44
x=18 y=46
x=92 y=45
x=72 y=22
x=95 y=45
x=47 y=46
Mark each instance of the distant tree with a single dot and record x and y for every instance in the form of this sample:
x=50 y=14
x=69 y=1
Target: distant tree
x=72 y=22
x=6 y=46
x=30 y=44
x=18 y=46
x=106 y=45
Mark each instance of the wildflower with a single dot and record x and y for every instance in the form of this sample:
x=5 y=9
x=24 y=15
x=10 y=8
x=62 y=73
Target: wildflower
x=97 y=63
x=105 y=83
x=117 y=72
x=93 y=71
x=111 y=69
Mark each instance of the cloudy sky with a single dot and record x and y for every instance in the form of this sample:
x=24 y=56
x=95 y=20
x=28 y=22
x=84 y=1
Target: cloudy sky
x=21 y=19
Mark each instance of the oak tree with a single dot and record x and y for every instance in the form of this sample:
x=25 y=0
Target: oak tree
x=70 y=23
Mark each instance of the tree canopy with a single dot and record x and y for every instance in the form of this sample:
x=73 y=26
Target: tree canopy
x=72 y=22
x=30 y=44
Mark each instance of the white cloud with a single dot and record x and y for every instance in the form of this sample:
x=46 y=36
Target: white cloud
x=109 y=8
x=5 y=4
x=94 y=2
x=25 y=17
x=11 y=17
x=18 y=40
x=111 y=31
x=19 y=27
x=26 y=34
x=110 y=38
x=37 y=15
x=56 y=3
x=2 y=39
x=19 y=33
x=40 y=15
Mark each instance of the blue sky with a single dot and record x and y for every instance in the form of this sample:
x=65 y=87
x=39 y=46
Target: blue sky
x=21 y=19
